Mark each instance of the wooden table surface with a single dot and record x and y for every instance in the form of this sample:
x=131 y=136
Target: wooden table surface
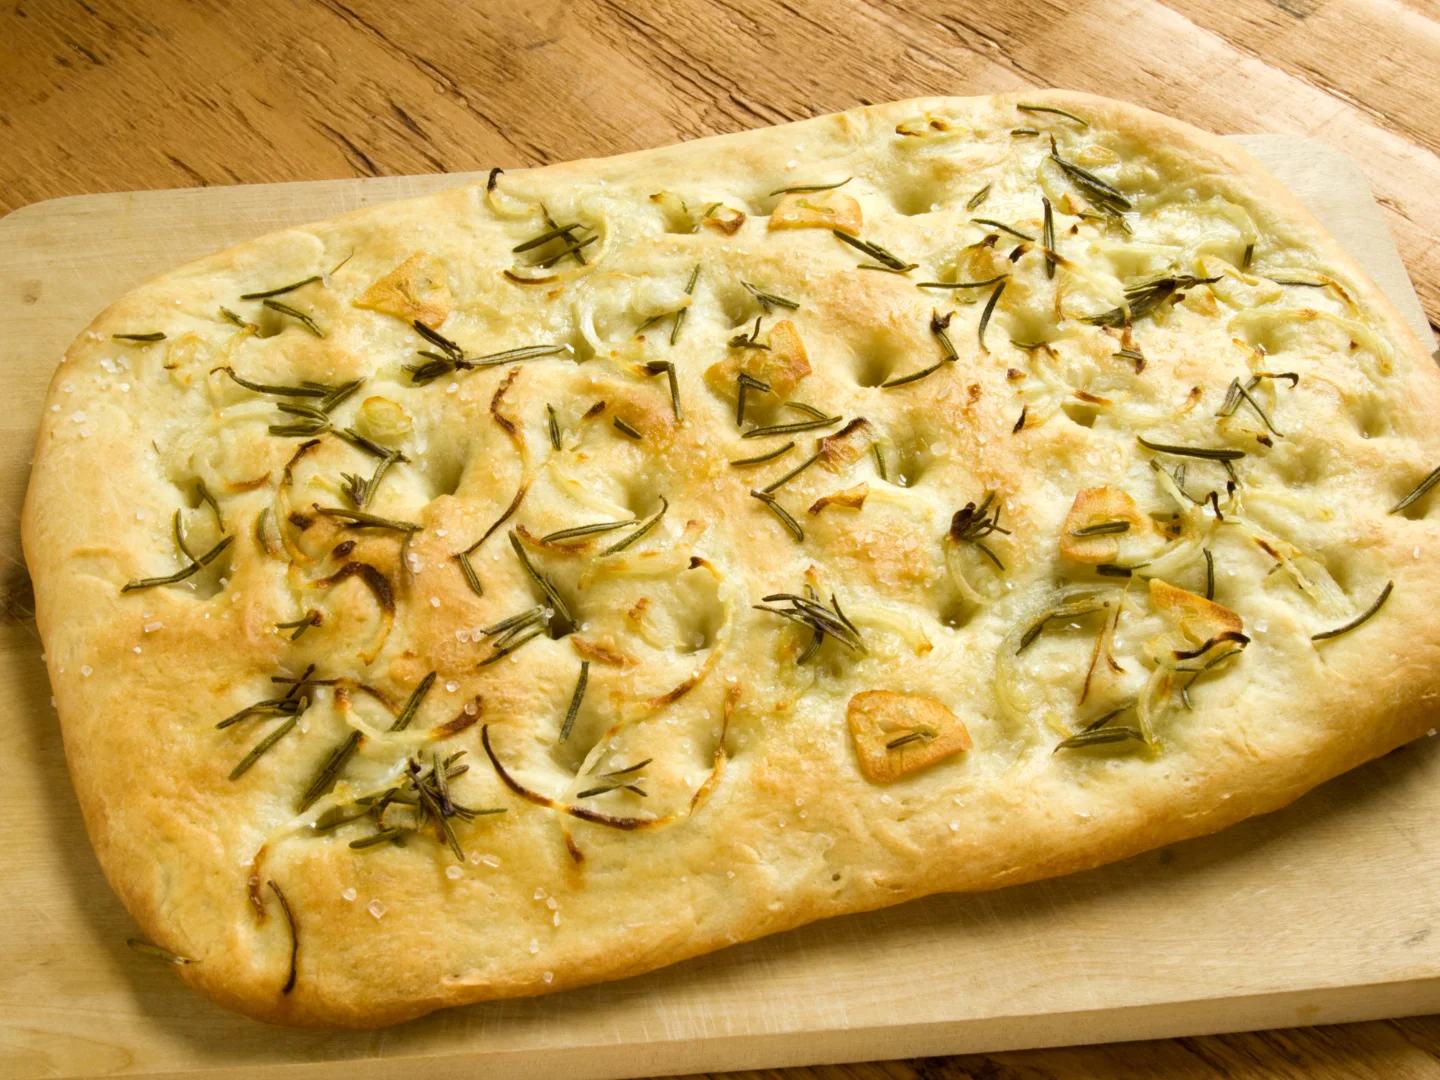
x=111 y=96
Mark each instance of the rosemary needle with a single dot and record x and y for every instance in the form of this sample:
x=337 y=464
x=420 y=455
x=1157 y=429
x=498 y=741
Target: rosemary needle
x=575 y=699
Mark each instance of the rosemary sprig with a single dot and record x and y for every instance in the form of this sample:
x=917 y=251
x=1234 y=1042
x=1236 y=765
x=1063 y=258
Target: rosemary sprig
x=300 y=625
x=960 y=284
x=1048 y=236
x=281 y=291
x=180 y=575
x=360 y=491
x=626 y=429
x=971 y=524
x=438 y=365
x=885 y=259
x=680 y=315
x=471 y=578
x=791 y=474
x=657 y=367
x=768 y=300
x=1003 y=228
x=644 y=527
x=1239 y=392
x=1051 y=109
x=808 y=611
x=296 y=314
x=1359 y=620
x=780 y=512
x=358 y=519
x=745 y=382
x=1100 y=736
x=1097 y=191
x=749 y=340
x=1024 y=132
x=1104 y=528
x=552 y=426
x=140 y=338
x=543 y=581
x=760 y=459
x=906 y=740
x=580 y=531
x=790 y=429
x=578 y=696
x=502 y=651
x=979 y=197
x=795 y=189
x=1209 y=573
x=329 y=771
x=412 y=703
x=375 y=839
x=259 y=750
x=990 y=310
x=1419 y=492
x=1209 y=453
x=1145 y=298
x=230 y=316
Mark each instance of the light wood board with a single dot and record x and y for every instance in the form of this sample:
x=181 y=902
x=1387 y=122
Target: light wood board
x=1322 y=912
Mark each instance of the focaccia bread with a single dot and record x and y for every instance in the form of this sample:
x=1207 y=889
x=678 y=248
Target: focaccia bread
x=552 y=579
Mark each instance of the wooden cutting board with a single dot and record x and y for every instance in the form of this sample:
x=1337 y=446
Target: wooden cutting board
x=1322 y=912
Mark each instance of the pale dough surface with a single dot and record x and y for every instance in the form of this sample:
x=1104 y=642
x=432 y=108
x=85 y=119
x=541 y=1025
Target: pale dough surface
x=765 y=813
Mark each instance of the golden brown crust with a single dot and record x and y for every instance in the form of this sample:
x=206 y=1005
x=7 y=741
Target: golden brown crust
x=757 y=813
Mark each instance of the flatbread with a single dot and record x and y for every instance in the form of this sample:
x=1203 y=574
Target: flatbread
x=1052 y=573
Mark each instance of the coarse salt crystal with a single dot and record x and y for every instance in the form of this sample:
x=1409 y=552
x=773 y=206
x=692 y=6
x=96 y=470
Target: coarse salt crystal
x=454 y=386
x=442 y=532
x=539 y=893
x=454 y=873
x=555 y=919
x=462 y=635
x=552 y=903
x=471 y=708
x=348 y=894
x=151 y=627
x=376 y=908
x=534 y=946
x=137 y=650
x=434 y=601
x=549 y=976
x=86 y=670
x=77 y=416
x=451 y=685
x=490 y=861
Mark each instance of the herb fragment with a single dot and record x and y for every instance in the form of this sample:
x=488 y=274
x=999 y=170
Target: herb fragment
x=645 y=526
x=979 y=197
x=1360 y=619
x=553 y=427
x=656 y=367
x=140 y=338
x=579 y=695
x=808 y=611
x=360 y=491
x=971 y=524
x=1104 y=528
x=471 y=578
x=542 y=580
x=1048 y=238
x=762 y=458
x=580 y=531
x=1420 y=491
x=281 y=291
x=1051 y=109
x=768 y=300
x=230 y=316
x=294 y=313
x=358 y=519
x=194 y=568
x=790 y=429
x=990 y=310
x=1209 y=573
x=1003 y=228
x=811 y=187
x=1241 y=392
x=791 y=474
x=744 y=382
x=1209 y=453
x=1248 y=256
x=885 y=259
x=412 y=703
x=300 y=625
x=1099 y=737
x=260 y=748
x=1096 y=191
x=906 y=740
x=750 y=340
x=1145 y=298
x=960 y=284
x=680 y=315
x=626 y=429
x=780 y=512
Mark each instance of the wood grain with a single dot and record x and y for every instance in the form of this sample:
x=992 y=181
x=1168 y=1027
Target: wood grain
x=135 y=95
